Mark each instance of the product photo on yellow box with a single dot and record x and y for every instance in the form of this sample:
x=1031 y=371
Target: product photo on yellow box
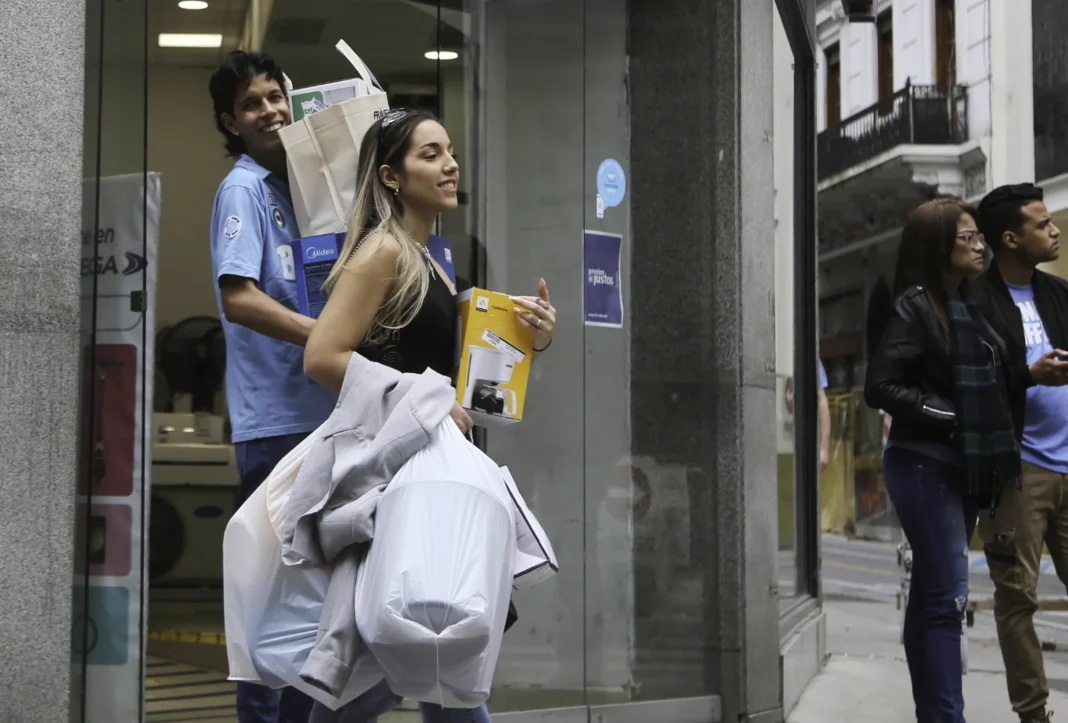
x=494 y=355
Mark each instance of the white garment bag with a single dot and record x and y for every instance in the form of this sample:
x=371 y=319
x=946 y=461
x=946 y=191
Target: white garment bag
x=272 y=610
x=432 y=595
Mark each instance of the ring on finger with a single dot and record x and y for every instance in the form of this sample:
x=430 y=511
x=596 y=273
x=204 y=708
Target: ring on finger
x=539 y=322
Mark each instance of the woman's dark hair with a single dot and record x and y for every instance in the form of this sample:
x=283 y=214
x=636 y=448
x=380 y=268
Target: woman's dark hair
x=926 y=248
x=236 y=73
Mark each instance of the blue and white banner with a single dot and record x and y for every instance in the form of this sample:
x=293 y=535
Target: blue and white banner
x=120 y=238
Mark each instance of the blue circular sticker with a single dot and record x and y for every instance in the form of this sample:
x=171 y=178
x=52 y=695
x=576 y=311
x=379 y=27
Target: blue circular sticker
x=611 y=183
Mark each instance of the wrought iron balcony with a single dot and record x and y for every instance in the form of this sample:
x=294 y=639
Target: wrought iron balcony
x=916 y=114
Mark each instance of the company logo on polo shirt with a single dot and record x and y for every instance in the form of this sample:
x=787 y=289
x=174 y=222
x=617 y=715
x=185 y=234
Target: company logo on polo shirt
x=232 y=227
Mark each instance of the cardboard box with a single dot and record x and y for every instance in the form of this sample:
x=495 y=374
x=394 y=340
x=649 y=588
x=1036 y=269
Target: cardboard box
x=309 y=101
x=314 y=256
x=495 y=352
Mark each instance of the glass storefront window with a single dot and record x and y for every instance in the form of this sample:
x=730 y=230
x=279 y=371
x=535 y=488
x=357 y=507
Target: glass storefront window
x=120 y=217
x=785 y=382
x=537 y=98
x=799 y=375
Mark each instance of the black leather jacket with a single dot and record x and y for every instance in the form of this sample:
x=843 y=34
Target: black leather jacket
x=910 y=376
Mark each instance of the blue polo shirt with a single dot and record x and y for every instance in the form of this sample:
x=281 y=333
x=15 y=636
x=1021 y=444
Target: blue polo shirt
x=252 y=227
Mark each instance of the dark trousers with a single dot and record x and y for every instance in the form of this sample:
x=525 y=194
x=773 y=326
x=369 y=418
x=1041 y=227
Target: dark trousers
x=938 y=522
x=256 y=459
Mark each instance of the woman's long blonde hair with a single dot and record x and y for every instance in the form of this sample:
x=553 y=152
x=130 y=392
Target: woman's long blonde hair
x=376 y=216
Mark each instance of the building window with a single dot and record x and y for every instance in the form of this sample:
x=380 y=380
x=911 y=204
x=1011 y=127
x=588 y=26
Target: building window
x=834 y=85
x=886 y=54
x=945 y=44
x=1050 y=58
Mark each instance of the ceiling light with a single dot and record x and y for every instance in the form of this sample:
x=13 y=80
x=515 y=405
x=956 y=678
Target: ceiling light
x=190 y=40
x=193 y=5
x=441 y=55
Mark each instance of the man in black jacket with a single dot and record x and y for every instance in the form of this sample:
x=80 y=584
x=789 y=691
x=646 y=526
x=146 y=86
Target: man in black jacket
x=1029 y=309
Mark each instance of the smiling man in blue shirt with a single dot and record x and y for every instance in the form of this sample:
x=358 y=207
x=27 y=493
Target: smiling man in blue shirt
x=273 y=405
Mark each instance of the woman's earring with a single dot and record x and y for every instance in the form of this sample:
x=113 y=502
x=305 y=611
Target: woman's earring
x=396 y=192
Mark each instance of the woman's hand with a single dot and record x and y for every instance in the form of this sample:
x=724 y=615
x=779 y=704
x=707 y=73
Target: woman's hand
x=461 y=417
x=538 y=315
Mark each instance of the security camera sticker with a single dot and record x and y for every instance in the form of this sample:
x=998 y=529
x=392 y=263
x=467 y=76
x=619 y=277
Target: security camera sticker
x=232 y=227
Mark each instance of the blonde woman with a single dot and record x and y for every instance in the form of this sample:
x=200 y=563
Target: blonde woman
x=389 y=299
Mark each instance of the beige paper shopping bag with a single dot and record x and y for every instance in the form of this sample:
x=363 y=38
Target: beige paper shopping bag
x=323 y=150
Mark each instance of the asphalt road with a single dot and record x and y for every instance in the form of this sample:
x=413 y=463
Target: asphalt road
x=868 y=571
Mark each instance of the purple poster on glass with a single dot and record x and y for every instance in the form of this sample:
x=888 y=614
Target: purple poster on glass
x=602 y=299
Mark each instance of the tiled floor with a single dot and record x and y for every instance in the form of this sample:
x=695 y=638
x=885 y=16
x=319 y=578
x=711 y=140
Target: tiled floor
x=180 y=693
x=176 y=693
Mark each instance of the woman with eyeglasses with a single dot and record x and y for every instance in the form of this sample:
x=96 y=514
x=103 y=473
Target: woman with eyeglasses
x=939 y=371
x=391 y=301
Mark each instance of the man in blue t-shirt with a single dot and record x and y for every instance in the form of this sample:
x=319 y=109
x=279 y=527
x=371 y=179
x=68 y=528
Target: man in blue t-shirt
x=1029 y=310
x=273 y=405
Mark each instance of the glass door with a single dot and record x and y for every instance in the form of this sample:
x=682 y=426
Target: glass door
x=120 y=213
x=531 y=168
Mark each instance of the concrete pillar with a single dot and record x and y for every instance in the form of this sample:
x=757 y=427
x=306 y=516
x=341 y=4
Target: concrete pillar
x=703 y=386
x=40 y=216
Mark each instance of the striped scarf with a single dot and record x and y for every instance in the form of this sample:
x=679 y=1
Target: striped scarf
x=985 y=430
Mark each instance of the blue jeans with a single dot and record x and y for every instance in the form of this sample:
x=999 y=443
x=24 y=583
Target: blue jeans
x=938 y=522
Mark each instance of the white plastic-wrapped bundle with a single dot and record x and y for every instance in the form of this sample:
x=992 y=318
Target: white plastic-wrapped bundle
x=272 y=610
x=433 y=592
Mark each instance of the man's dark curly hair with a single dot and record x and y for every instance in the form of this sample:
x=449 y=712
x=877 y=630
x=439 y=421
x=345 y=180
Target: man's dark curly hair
x=236 y=73
x=1001 y=210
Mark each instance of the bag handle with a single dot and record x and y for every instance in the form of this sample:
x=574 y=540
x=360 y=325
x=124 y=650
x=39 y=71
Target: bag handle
x=361 y=68
x=335 y=194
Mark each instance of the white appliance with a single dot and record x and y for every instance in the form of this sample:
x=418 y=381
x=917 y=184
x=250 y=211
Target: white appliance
x=487 y=370
x=194 y=489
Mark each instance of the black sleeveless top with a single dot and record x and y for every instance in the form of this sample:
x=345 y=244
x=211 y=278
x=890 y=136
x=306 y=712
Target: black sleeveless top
x=429 y=340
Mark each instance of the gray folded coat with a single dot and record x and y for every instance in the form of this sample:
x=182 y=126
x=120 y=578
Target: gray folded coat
x=382 y=418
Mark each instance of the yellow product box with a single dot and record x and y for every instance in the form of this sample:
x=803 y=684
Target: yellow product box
x=495 y=352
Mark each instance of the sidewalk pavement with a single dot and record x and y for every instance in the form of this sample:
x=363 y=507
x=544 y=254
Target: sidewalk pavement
x=866 y=678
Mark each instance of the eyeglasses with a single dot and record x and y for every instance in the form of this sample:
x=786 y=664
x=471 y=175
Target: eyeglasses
x=971 y=238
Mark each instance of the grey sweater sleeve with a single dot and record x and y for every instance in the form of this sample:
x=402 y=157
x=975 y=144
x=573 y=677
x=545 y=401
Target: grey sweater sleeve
x=338 y=645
